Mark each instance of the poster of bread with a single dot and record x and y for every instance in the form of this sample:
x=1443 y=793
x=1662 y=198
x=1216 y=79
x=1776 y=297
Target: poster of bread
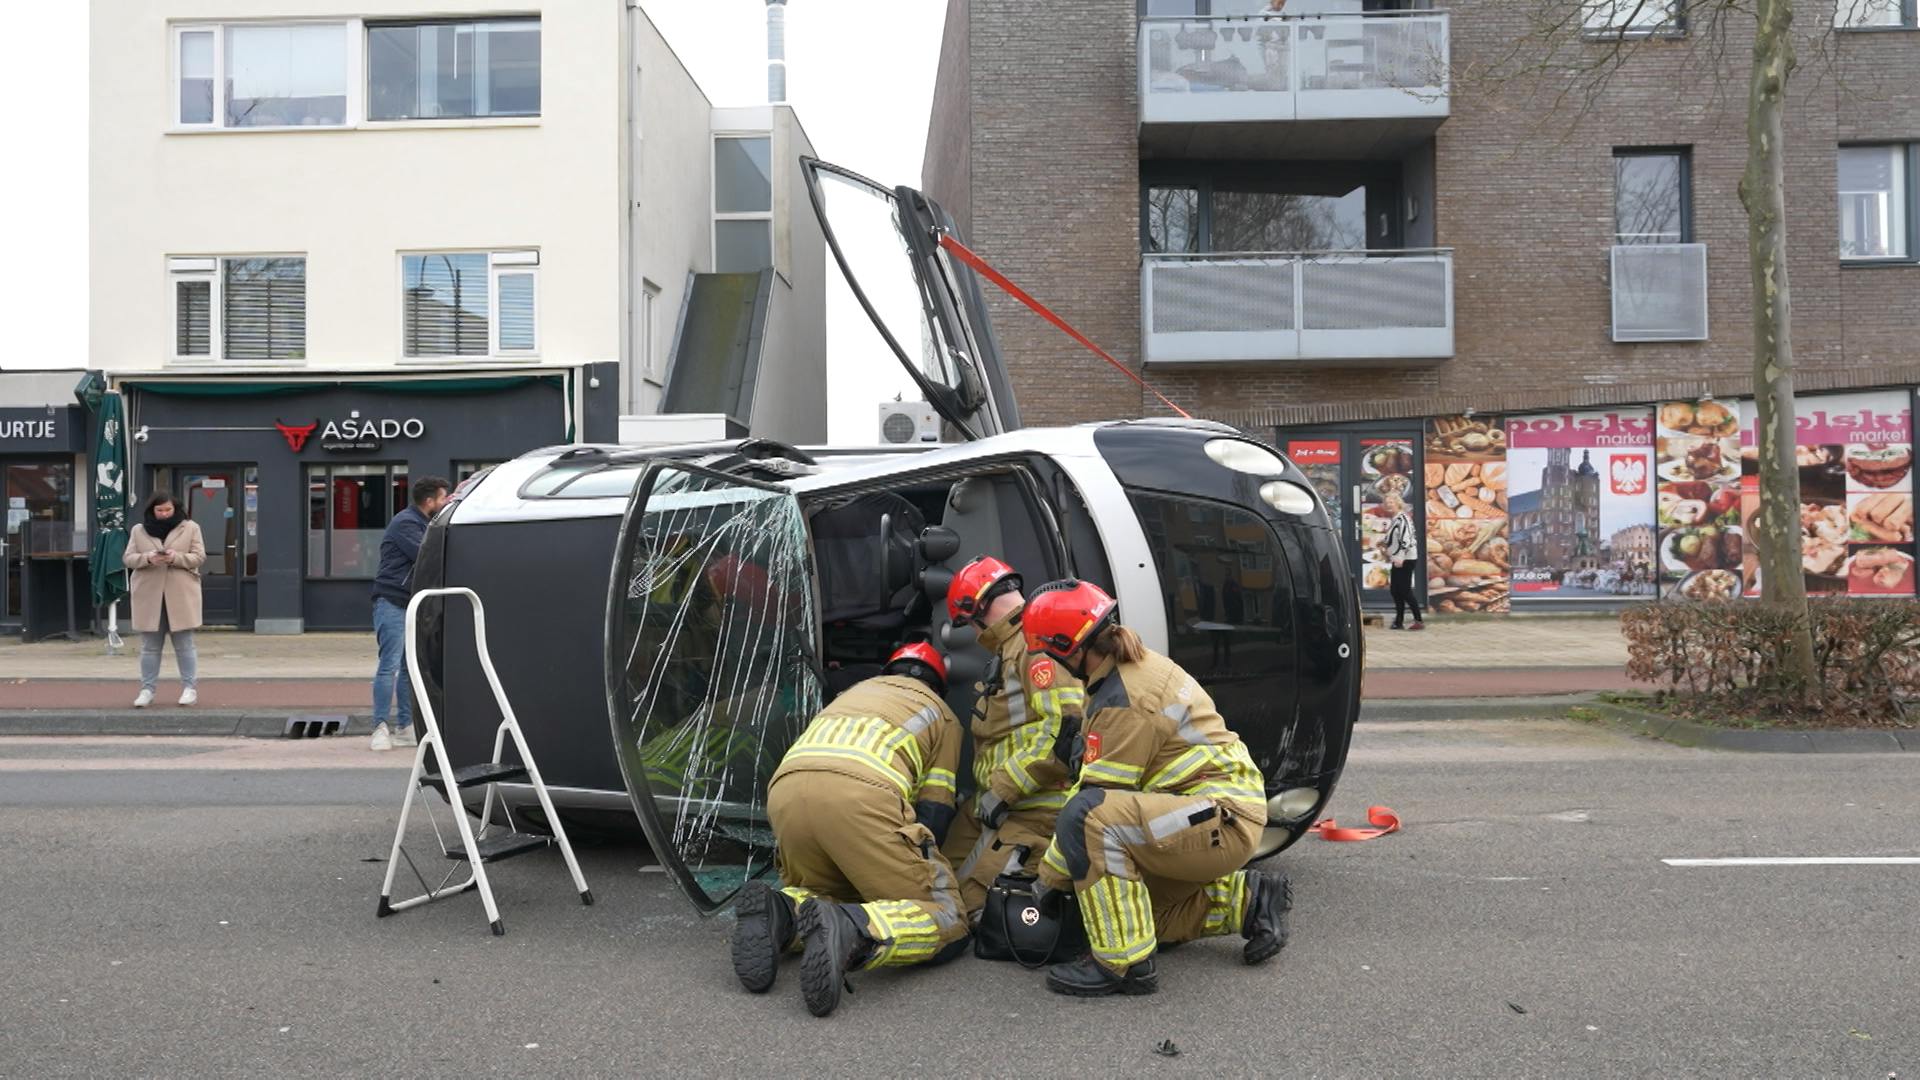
x=1465 y=483
x=1386 y=470
x=1854 y=453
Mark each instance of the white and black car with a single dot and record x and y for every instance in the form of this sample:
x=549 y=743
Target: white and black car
x=665 y=621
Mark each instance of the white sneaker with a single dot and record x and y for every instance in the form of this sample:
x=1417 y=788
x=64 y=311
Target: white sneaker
x=189 y=696
x=405 y=737
x=145 y=699
x=381 y=739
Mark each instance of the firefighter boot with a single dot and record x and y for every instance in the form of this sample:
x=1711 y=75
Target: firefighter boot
x=1269 y=898
x=1086 y=977
x=837 y=942
x=762 y=933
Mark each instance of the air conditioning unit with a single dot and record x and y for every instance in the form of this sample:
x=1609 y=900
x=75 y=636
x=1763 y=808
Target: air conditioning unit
x=903 y=422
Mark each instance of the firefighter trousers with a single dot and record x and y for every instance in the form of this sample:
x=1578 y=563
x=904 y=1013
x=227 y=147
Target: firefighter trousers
x=981 y=854
x=854 y=840
x=1151 y=867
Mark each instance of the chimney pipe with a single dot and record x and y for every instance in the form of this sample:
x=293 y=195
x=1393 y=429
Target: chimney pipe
x=776 y=52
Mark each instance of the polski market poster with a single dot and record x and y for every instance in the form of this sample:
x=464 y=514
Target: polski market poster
x=1580 y=505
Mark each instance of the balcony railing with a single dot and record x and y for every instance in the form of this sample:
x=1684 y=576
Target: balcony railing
x=1353 y=305
x=1318 y=67
x=1659 y=292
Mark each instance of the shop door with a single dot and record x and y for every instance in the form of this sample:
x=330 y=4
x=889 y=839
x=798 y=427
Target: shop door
x=215 y=497
x=39 y=505
x=1354 y=475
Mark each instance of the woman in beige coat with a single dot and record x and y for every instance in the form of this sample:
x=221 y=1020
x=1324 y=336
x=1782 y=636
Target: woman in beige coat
x=164 y=553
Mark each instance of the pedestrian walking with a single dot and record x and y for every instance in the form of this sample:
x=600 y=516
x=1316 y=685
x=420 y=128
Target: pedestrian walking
x=392 y=589
x=1402 y=546
x=164 y=553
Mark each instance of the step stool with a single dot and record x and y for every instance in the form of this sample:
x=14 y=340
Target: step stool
x=476 y=850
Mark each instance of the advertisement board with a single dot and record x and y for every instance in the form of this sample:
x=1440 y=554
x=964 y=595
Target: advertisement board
x=1698 y=499
x=1580 y=508
x=1386 y=468
x=1855 y=457
x=1465 y=485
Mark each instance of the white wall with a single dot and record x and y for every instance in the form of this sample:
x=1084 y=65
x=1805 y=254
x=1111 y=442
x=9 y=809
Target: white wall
x=790 y=396
x=352 y=199
x=671 y=161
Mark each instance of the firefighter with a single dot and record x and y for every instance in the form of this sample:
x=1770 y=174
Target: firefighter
x=1169 y=807
x=859 y=806
x=1006 y=823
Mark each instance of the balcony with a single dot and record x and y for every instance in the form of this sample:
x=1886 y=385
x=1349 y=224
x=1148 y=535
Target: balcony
x=1659 y=292
x=1331 y=86
x=1355 y=307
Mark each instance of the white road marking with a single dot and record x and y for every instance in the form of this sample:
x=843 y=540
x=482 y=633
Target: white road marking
x=1803 y=860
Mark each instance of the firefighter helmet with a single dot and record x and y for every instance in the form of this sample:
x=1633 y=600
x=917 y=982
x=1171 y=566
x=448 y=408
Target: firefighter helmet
x=921 y=661
x=975 y=587
x=1062 y=616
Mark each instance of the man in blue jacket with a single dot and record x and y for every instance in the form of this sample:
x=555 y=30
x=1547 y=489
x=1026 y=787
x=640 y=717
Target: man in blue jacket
x=392 y=588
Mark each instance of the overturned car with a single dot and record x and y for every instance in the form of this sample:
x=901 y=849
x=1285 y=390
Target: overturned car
x=667 y=620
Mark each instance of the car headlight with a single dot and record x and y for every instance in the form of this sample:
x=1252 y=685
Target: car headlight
x=1242 y=456
x=1293 y=803
x=1288 y=497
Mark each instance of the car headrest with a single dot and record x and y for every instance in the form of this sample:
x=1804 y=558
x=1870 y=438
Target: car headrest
x=939 y=543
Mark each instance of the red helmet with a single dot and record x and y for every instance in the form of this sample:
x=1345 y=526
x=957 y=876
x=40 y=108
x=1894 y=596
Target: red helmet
x=975 y=587
x=919 y=655
x=1061 y=616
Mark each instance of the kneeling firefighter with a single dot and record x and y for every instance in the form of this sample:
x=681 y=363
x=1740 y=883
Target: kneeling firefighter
x=858 y=807
x=1169 y=809
x=1020 y=786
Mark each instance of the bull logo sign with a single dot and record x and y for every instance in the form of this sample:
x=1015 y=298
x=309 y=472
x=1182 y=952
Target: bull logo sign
x=296 y=436
x=1628 y=474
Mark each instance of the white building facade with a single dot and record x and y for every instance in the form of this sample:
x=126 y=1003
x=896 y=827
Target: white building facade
x=478 y=231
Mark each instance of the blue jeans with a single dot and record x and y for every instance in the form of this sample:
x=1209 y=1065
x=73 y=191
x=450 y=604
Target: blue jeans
x=389 y=679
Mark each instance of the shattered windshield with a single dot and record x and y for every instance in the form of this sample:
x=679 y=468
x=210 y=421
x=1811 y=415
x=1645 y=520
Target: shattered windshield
x=712 y=668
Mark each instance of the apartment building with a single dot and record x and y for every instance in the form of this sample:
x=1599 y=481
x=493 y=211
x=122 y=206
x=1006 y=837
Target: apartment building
x=337 y=248
x=1317 y=220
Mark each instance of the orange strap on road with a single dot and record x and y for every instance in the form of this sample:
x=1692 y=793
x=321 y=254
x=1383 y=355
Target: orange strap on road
x=1383 y=820
x=967 y=256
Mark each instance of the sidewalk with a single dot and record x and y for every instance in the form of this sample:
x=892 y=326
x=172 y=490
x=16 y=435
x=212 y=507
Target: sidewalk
x=331 y=673
x=1497 y=657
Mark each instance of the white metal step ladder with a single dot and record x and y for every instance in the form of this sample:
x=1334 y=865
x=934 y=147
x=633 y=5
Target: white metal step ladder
x=476 y=850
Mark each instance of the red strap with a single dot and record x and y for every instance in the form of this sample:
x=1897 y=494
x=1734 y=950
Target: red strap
x=966 y=255
x=1384 y=821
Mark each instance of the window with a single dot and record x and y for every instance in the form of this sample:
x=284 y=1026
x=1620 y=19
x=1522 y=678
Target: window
x=469 y=303
x=1874 y=14
x=1632 y=18
x=1651 y=197
x=742 y=203
x=239 y=308
x=455 y=69
x=1173 y=219
x=572 y=481
x=1208 y=577
x=1319 y=209
x=252 y=75
x=1876 y=215
x=348 y=508
x=649 y=357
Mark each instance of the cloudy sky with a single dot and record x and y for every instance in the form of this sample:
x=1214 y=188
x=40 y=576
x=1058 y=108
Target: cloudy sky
x=860 y=73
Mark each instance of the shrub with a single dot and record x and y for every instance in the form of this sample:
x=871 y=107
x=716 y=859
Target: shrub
x=1715 y=659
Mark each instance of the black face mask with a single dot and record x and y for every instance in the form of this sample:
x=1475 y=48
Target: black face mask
x=158 y=528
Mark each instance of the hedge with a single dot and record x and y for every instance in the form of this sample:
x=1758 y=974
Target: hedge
x=1720 y=660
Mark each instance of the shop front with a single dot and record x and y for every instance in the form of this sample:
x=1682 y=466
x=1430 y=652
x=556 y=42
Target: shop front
x=42 y=464
x=293 y=481
x=1604 y=507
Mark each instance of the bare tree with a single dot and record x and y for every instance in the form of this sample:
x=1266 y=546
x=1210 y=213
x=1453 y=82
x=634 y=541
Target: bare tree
x=1563 y=68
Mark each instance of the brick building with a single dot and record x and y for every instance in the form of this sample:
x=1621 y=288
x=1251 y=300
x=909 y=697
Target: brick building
x=1336 y=224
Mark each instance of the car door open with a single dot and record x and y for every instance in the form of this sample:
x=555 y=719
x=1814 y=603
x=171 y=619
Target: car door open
x=712 y=668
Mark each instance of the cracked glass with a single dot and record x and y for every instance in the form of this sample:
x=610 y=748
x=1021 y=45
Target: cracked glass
x=712 y=667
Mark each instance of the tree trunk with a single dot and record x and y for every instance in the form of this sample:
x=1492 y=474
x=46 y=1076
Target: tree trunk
x=1776 y=528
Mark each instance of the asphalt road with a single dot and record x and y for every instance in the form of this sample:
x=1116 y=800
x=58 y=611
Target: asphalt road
x=205 y=908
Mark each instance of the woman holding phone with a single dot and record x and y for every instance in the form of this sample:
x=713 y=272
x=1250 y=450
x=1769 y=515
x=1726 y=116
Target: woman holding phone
x=164 y=553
